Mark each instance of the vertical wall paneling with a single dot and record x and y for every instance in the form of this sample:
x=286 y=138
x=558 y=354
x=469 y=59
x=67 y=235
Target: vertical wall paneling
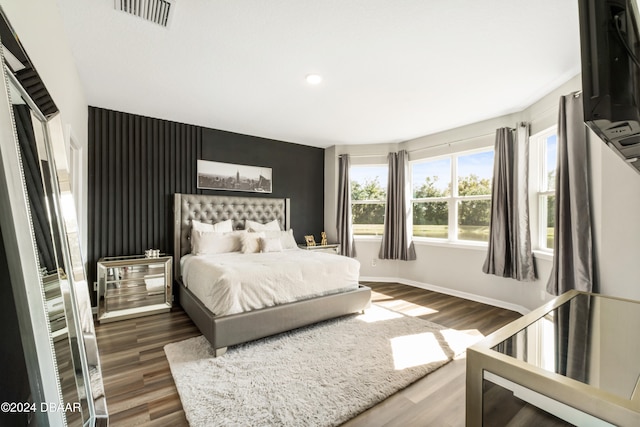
x=135 y=165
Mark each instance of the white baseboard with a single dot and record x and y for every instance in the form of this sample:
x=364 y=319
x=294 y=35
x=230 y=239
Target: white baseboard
x=473 y=297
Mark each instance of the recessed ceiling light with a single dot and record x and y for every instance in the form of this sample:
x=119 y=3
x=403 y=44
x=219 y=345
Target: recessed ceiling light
x=314 y=79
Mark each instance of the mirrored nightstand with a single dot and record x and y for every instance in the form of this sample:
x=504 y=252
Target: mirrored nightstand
x=133 y=286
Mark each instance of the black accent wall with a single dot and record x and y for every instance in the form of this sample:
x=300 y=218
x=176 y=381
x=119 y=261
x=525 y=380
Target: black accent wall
x=136 y=163
x=297 y=173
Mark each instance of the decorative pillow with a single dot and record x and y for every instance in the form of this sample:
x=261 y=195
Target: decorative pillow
x=222 y=226
x=270 y=244
x=256 y=226
x=213 y=242
x=286 y=238
x=251 y=242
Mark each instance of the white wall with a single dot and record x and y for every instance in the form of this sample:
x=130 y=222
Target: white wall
x=616 y=215
x=451 y=268
x=39 y=25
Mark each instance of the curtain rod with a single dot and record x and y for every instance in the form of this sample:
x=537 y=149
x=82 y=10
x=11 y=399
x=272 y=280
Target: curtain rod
x=576 y=94
x=452 y=142
x=363 y=155
x=437 y=145
x=422 y=148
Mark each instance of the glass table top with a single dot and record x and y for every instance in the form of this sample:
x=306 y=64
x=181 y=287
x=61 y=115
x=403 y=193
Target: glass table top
x=590 y=338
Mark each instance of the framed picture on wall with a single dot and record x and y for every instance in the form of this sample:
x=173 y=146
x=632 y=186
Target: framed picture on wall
x=229 y=176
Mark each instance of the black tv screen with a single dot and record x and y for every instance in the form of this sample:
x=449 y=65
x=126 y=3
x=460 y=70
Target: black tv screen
x=610 y=53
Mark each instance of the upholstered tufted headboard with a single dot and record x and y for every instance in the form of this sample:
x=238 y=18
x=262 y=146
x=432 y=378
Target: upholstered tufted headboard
x=212 y=209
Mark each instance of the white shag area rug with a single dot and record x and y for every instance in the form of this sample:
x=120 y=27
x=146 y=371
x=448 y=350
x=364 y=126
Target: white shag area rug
x=320 y=375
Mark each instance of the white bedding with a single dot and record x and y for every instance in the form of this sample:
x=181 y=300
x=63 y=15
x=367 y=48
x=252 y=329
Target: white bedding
x=235 y=282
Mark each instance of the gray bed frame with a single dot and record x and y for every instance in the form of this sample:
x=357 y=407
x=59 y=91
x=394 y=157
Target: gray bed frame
x=224 y=331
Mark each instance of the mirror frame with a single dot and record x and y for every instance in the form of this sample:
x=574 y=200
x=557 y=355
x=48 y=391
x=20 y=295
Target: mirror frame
x=24 y=266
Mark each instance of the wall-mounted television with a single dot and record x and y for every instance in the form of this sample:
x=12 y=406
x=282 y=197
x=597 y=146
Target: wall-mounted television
x=610 y=53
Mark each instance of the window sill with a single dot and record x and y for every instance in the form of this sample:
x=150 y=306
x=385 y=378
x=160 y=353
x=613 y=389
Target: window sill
x=421 y=241
x=545 y=255
x=367 y=238
x=476 y=246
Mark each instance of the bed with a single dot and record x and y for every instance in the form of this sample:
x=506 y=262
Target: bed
x=224 y=330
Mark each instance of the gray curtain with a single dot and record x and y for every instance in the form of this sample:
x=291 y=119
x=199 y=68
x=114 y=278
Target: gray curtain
x=343 y=221
x=509 y=253
x=573 y=247
x=396 y=239
x=573 y=323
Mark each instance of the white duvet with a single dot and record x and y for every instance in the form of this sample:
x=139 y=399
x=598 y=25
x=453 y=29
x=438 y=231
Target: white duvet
x=235 y=282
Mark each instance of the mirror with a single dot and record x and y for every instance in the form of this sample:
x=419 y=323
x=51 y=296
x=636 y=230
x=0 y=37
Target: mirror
x=47 y=271
x=30 y=134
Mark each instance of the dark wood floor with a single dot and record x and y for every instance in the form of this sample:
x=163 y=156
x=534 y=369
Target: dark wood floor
x=137 y=379
x=140 y=389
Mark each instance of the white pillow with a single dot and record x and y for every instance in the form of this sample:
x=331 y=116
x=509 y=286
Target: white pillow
x=222 y=226
x=213 y=242
x=270 y=244
x=287 y=240
x=251 y=242
x=256 y=226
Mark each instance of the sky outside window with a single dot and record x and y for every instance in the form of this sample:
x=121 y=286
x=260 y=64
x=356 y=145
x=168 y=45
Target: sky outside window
x=363 y=174
x=438 y=169
x=478 y=164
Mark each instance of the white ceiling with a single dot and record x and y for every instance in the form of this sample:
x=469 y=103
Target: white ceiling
x=392 y=70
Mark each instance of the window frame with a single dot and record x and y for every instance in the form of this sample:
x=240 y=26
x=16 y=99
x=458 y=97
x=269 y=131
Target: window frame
x=540 y=192
x=452 y=200
x=370 y=201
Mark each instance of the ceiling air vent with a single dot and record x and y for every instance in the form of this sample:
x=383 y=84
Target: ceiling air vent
x=157 y=11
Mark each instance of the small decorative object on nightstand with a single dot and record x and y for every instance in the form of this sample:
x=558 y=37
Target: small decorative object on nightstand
x=311 y=241
x=332 y=248
x=323 y=241
x=152 y=253
x=134 y=286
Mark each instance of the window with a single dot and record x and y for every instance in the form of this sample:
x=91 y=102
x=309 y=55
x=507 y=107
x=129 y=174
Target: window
x=452 y=196
x=546 y=142
x=368 y=198
x=431 y=192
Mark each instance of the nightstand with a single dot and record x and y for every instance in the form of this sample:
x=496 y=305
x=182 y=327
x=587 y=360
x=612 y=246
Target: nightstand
x=332 y=248
x=134 y=286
